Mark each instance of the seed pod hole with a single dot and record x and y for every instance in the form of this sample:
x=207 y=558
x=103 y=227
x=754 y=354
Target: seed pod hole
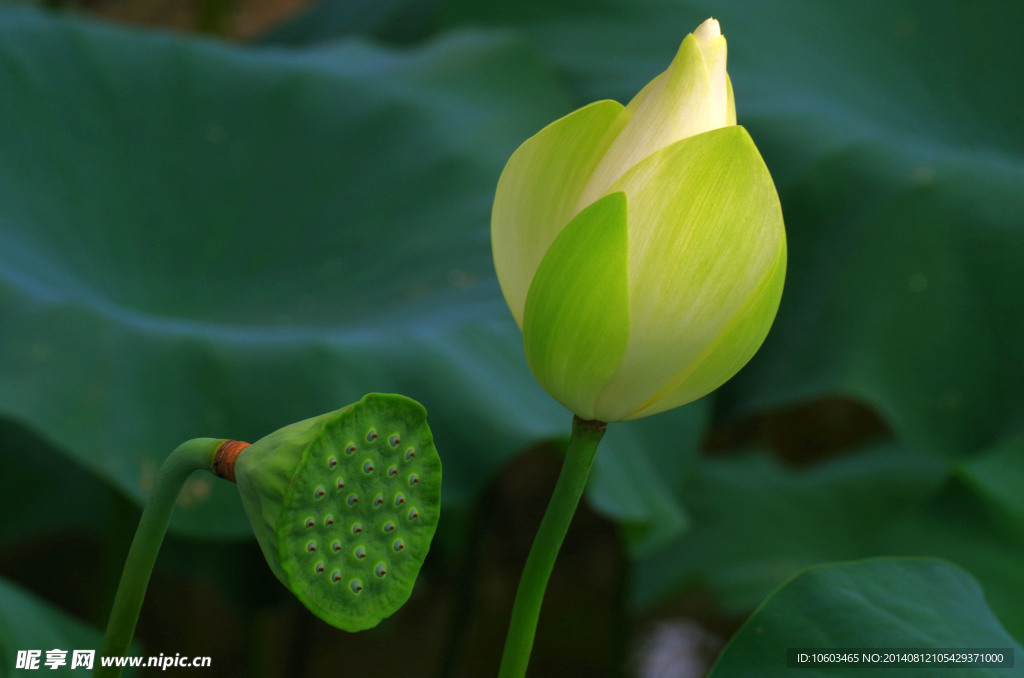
x=367 y=466
x=311 y=546
x=320 y=492
x=356 y=528
x=409 y=454
x=399 y=545
x=414 y=480
x=392 y=472
x=371 y=435
x=351 y=449
x=394 y=441
x=413 y=514
x=310 y=522
x=340 y=482
x=319 y=567
x=389 y=526
x=380 y=570
x=336 y=576
x=356 y=586
x=332 y=462
x=378 y=500
x=328 y=520
x=336 y=545
x=359 y=553
x=399 y=499
x=352 y=500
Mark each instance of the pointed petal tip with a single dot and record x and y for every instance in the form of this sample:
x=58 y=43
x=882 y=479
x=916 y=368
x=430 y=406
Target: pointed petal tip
x=708 y=31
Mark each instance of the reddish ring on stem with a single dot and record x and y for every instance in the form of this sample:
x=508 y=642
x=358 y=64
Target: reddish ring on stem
x=224 y=461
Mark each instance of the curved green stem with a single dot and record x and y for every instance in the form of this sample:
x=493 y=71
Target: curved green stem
x=191 y=456
x=571 y=481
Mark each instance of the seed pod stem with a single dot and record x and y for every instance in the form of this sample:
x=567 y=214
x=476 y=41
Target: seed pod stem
x=194 y=455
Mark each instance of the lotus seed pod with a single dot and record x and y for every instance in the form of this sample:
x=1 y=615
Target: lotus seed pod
x=344 y=506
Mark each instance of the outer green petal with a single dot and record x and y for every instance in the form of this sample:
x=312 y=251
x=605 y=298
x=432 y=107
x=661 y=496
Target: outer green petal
x=538 y=191
x=576 y=324
x=705 y=237
x=730 y=351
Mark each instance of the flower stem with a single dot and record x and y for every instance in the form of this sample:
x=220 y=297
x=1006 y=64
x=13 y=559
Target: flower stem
x=571 y=481
x=191 y=456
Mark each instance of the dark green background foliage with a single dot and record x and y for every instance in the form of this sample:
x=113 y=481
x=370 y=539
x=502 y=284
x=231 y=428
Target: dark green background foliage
x=200 y=238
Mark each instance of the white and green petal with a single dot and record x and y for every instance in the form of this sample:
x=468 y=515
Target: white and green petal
x=538 y=191
x=706 y=249
x=692 y=96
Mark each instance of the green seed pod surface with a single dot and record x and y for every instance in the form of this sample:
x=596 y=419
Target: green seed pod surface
x=264 y=472
x=345 y=505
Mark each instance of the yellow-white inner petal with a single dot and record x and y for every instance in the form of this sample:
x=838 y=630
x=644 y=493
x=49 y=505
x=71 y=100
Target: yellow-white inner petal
x=691 y=97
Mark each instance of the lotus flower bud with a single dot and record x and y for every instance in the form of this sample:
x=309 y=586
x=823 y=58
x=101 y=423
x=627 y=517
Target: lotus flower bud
x=641 y=249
